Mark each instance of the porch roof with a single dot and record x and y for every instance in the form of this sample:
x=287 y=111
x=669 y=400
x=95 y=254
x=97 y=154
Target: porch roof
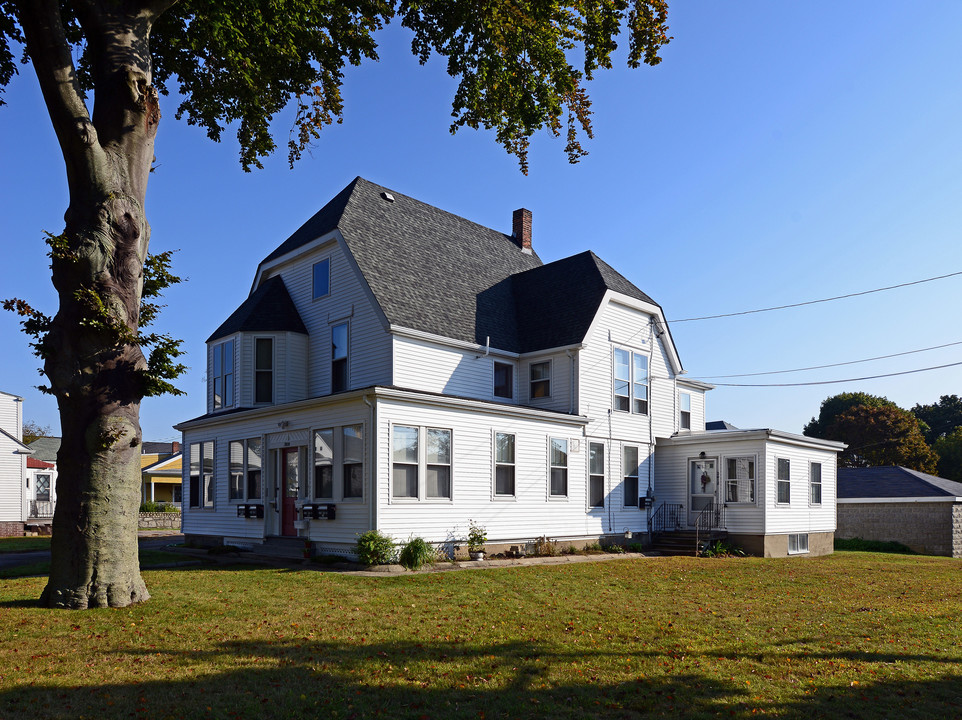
x=702 y=437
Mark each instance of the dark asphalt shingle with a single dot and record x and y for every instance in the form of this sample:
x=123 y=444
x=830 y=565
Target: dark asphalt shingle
x=893 y=482
x=268 y=309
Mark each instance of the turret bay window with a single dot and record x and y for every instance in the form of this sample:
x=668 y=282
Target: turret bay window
x=630 y=471
x=558 y=458
x=630 y=386
x=784 y=476
x=201 y=478
x=504 y=464
x=540 y=379
x=815 y=483
x=596 y=474
x=223 y=374
x=740 y=479
x=263 y=370
x=324 y=464
x=352 y=447
x=339 y=357
x=684 y=411
x=404 y=470
x=245 y=469
x=503 y=380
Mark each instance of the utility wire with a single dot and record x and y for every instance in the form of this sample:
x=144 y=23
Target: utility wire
x=835 y=382
x=820 y=367
x=814 y=302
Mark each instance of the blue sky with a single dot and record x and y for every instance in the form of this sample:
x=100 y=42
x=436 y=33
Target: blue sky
x=782 y=152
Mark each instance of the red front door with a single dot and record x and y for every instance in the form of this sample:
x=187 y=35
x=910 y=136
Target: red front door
x=289 y=484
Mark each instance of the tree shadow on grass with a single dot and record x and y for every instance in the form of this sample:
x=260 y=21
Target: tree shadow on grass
x=301 y=678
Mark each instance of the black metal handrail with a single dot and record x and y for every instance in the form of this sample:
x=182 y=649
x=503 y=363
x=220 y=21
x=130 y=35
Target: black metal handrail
x=666 y=517
x=711 y=518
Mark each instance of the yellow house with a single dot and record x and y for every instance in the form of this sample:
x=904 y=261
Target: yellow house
x=160 y=465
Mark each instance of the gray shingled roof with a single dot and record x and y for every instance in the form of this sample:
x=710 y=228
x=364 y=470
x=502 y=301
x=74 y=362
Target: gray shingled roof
x=893 y=482
x=268 y=309
x=439 y=273
x=45 y=448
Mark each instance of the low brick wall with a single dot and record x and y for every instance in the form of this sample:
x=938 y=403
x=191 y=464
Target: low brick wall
x=11 y=529
x=160 y=520
x=933 y=528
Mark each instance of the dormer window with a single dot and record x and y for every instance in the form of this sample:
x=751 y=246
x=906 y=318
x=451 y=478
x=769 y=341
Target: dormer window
x=540 y=379
x=322 y=278
x=503 y=380
x=223 y=372
x=263 y=370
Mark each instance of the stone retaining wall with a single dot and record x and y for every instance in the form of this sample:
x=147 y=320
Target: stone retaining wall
x=933 y=528
x=160 y=520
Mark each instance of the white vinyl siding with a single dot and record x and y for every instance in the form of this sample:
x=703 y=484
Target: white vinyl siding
x=13 y=469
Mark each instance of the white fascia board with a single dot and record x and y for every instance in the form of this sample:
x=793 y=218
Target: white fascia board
x=20 y=448
x=695 y=384
x=645 y=307
x=478 y=406
x=267 y=411
x=553 y=351
x=313 y=245
x=896 y=500
x=413 y=334
x=722 y=436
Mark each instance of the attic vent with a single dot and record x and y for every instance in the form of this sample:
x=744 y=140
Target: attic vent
x=387 y=196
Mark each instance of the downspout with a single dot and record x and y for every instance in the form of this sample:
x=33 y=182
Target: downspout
x=372 y=453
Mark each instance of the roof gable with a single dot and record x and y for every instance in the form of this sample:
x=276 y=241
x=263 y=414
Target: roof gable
x=268 y=309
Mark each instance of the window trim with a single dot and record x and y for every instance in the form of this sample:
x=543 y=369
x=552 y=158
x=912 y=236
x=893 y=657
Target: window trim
x=779 y=481
x=449 y=498
x=313 y=495
x=625 y=476
x=799 y=550
x=245 y=495
x=753 y=458
x=48 y=476
x=632 y=381
x=495 y=495
x=343 y=464
x=591 y=475
x=494 y=380
x=567 y=469
x=202 y=497
x=422 y=467
x=314 y=295
x=270 y=370
x=218 y=353
x=546 y=379
x=812 y=484
x=682 y=412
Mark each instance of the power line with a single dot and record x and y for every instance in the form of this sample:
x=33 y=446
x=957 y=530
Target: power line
x=814 y=302
x=835 y=382
x=820 y=367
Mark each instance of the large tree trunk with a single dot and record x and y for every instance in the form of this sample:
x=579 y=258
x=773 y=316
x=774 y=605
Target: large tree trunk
x=91 y=357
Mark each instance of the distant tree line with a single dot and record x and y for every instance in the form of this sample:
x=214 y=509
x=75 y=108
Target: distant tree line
x=878 y=432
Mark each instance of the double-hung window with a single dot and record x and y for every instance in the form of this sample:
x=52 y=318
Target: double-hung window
x=263 y=370
x=740 y=480
x=223 y=372
x=201 y=479
x=352 y=466
x=815 y=483
x=784 y=476
x=405 y=462
x=558 y=460
x=540 y=379
x=244 y=470
x=503 y=380
x=596 y=474
x=504 y=464
x=324 y=464
x=321 y=278
x=630 y=471
x=339 y=357
x=684 y=411
x=630 y=387
x=421 y=452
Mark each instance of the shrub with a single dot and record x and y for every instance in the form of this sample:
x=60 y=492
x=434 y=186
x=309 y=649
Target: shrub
x=613 y=548
x=416 y=554
x=720 y=548
x=545 y=546
x=636 y=547
x=862 y=545
x=477 y=537
x=149 y=506
x=375 y=548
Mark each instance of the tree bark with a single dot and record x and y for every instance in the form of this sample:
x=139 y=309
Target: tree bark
x=91 y=357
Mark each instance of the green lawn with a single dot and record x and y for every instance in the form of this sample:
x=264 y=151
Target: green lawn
x=853 y=635
x=24 y=544
x=148 y=558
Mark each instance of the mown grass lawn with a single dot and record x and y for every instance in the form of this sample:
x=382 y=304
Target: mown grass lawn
x=24 y=544
x=853 y=635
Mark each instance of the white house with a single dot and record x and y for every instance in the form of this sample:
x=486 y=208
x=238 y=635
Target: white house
x=401 y=368
x=13 y=466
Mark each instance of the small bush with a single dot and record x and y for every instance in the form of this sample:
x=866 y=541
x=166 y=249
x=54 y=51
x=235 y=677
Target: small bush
x=614 y=548
x=882 y=546
x=416 y=554
x=636 y=547
x=570 y=550
x=545 y=546
x=375 y=548
x=477 y=536
x=151 y=506
x=720 y=548
x=593 y=548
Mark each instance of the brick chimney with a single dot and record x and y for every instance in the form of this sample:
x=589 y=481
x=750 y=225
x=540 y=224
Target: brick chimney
x=174 y=447
x=521 y=229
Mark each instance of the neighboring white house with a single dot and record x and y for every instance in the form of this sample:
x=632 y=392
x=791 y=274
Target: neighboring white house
x=13 y=466
x=401 y=368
